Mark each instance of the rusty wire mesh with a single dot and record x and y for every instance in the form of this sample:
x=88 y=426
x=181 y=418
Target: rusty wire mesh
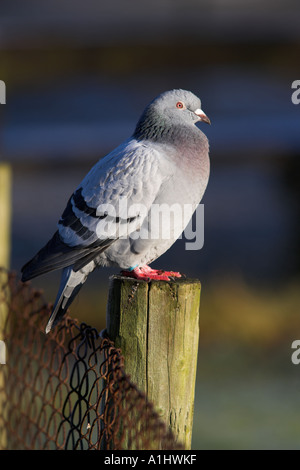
x=67 y=389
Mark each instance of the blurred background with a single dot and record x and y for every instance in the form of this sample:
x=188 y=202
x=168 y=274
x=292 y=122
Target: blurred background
x=77 y=77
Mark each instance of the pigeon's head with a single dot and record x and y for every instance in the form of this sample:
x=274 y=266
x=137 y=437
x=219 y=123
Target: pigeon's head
x=180 y=105
x=175 y=108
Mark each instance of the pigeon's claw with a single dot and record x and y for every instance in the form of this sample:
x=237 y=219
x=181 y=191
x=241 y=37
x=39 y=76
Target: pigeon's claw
x=145 y=273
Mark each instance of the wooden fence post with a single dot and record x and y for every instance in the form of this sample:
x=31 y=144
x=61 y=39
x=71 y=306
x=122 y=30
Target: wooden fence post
x=156 y=325
x=5 y=215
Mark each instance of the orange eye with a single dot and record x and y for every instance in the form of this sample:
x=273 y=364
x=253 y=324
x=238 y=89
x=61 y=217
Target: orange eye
x=179 y=105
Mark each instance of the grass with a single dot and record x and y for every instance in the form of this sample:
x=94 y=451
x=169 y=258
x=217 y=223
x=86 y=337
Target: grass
x=232 y=311
x=247 y=391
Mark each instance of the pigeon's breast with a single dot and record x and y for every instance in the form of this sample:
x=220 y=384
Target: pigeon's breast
x=190 y=157
x=185 y=174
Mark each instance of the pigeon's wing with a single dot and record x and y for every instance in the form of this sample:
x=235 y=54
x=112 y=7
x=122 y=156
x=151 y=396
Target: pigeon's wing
x=111 y=202
x=114 y=197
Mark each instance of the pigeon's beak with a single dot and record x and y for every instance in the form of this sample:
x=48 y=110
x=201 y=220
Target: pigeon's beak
x=202 y=116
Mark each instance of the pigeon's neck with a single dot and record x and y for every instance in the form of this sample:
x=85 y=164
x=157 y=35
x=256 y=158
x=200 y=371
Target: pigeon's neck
x=156 y=128
x=151 y=127
x=176 y=142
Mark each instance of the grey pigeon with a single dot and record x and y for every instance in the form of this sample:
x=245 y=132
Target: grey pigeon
x=108 y=219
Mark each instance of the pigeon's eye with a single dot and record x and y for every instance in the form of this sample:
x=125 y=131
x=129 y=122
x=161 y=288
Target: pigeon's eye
x=179 y=105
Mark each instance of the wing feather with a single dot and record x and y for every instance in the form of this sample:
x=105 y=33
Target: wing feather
x=111 y=203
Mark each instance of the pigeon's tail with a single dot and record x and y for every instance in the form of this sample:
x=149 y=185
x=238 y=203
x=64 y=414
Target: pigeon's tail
x=54 y=255
x=70 y=285
x=57 y=255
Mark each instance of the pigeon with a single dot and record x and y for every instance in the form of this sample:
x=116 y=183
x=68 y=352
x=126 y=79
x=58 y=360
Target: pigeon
x=109 y=221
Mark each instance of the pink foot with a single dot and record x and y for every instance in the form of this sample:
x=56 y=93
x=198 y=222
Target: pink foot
x=145 y=273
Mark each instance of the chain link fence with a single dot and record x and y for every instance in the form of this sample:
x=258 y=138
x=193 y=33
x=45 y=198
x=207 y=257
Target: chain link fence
x=67 y=389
